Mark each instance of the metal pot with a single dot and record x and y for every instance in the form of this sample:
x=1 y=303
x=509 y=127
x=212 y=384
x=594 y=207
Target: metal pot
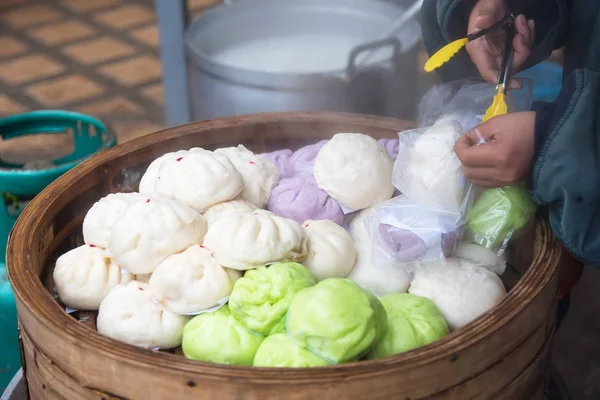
x=384 y=86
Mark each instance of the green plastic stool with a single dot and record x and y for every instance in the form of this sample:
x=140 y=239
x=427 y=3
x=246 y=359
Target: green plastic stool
x=18 y=186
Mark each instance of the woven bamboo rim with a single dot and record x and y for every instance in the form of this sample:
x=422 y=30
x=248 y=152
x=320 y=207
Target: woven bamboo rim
x=39 y=312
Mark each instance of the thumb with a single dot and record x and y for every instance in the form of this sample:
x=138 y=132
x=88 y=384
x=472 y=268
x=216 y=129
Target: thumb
x=469 y=151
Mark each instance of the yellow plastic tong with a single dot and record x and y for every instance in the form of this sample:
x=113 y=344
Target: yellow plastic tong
x=443 y=55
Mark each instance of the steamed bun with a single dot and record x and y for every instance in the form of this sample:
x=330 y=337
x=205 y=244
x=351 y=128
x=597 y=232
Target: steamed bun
x=84 y=276
x=406 y=230
x=355 y=170
x=391 y=145
x=247 y=241
x=259 y=174
x=130 y=314
x=331 y=252
x=299 y=198
x=303 y=159
x=427 y=169
x=219 y=338
x=260 y=300
x=222 y=210
x=461 y=289
x=281 y=159
x=412 y=322
x=100 y=220
x=336 y=320
x=278 y=351
x=380 y=278
x=151 y=230
x=190 y=281
x=482 y=256
x=197 y=177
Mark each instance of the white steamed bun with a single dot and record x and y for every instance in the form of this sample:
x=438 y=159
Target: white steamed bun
x=104 y=214
x=200 y=178
x=260 y=175
x=427 y=169
x=149 y=231
x=461 y=289
x=355 y=170
x=190 y=281
x=84 y=276
x=482 y=256
x=222 y=210
x=247 y=241
x=379 y=279
x=330 y=250
x=132 y=315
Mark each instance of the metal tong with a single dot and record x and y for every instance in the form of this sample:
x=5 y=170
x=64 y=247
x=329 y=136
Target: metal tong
x=499 y=106
x=443 y=55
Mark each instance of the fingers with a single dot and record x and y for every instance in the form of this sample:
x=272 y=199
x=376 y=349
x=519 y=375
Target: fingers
x=515 y=84
x=471 y=154
x=523 y=41
x=523 y=29
x=492 y=9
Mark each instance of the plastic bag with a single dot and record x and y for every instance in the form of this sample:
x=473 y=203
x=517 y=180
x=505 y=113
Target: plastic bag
x=467 y=101
x=498 y=214
x=402 y=230
x=428 y=171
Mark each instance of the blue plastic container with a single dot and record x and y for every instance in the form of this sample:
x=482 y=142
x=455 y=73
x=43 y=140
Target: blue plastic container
x=18 y=186
x=547 y=80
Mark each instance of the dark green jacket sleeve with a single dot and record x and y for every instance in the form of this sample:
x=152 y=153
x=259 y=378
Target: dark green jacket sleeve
x=446 y=20
x=566 y=173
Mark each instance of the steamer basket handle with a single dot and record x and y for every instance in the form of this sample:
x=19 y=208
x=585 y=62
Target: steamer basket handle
x=371 y=47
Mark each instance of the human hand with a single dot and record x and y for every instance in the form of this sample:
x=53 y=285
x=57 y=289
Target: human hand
x=506 y=157
x=486 y=52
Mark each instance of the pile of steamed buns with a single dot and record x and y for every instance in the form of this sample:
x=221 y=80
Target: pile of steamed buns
x=286 y=259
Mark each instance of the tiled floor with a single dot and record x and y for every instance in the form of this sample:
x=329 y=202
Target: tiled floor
x=101 y=57
x=98 y=57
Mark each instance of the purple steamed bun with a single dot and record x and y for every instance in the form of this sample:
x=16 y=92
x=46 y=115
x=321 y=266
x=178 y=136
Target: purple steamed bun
x=405 y=245
x=281 y=159
x=303 y=159
x=392 y=146
x=300 y=199
x=402 y=243
x=451 y=240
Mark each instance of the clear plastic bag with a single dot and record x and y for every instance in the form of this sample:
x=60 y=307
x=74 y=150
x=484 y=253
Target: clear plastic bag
x=466 y=101
x=428 y=171
x=498 y=215
x=402 y=231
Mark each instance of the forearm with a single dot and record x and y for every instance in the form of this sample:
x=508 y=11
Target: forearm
x=566 y=173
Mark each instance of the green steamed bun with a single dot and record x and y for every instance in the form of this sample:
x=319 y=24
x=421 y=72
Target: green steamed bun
x=412 y=321
x=261 y=298
x=498 y=213
x=336 y=319
x=279 y=351
x=219 y=338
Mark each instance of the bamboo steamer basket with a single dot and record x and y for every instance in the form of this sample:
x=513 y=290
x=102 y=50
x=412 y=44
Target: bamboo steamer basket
x=504 y=354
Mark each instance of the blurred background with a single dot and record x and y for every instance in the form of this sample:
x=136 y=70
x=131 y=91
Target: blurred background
x=126 y=63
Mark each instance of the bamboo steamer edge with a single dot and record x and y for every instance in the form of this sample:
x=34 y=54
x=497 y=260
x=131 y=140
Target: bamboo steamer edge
x=504 y=354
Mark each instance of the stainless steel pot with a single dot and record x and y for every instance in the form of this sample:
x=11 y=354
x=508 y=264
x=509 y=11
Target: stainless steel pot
x=385 y=86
